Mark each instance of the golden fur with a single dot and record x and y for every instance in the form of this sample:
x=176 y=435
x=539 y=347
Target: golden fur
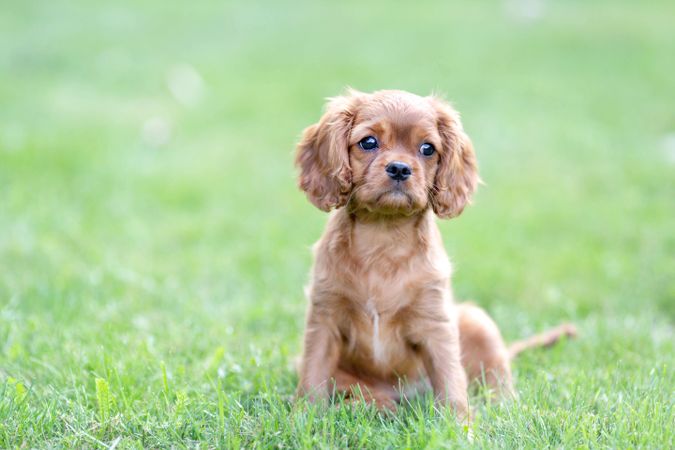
x=381 y=316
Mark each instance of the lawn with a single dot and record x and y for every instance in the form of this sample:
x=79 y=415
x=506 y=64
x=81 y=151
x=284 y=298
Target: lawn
x=154 y=246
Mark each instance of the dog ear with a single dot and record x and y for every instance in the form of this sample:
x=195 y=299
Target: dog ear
x=323 y=154
x=457 y=173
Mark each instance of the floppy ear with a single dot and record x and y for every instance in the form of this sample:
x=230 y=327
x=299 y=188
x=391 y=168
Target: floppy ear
x=457 y=173
x=323 y=155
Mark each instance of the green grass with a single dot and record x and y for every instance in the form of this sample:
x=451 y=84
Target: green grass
x=151 y=288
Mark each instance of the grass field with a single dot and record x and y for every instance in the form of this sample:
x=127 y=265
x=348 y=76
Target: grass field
x=153 y=245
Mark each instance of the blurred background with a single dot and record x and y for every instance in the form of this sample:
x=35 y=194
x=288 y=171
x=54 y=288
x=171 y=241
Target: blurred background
x=148 y=207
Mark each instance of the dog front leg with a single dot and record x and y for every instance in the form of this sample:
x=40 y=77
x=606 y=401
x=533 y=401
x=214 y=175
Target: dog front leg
x=440 y=353
x=319 y=360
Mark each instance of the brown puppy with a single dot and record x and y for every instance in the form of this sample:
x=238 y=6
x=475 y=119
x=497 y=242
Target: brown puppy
x=381 y=316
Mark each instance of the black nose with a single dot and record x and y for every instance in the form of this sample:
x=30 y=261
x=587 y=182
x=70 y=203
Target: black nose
x=398 y=171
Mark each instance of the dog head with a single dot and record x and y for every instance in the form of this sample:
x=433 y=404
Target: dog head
x=388 y=153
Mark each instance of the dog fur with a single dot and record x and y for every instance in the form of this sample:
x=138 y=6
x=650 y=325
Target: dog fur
x=381 y=318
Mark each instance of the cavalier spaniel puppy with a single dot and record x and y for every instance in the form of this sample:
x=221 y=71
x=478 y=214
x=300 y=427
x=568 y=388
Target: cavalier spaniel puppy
x=381 y=316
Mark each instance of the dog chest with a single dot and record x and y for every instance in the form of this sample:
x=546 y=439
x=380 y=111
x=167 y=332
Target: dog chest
x=373 y=330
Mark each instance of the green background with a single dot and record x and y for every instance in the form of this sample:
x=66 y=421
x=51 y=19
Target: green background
x=152 y=237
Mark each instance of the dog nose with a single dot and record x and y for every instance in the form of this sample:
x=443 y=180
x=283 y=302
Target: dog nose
x=398 y=170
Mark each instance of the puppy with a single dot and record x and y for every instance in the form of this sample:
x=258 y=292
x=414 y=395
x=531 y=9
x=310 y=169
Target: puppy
x=381 y=317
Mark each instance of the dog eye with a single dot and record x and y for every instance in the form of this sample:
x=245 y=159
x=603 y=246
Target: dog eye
x=427 y=149
x=368 y=143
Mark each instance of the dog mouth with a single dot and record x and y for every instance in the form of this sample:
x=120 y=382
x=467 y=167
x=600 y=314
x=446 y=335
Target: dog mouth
x=397 y=195
x=391 y=199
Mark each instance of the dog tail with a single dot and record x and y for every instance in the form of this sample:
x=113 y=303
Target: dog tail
x=545 y=339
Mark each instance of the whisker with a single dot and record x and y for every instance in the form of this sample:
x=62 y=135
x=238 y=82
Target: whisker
x=352 y=194
x=431 y=195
